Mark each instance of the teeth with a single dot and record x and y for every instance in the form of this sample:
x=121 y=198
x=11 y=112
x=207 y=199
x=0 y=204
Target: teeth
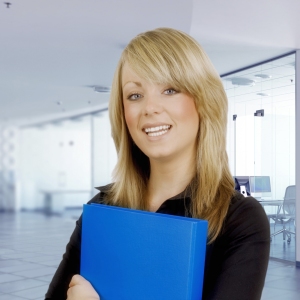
x=157 y=133
x=158 y=128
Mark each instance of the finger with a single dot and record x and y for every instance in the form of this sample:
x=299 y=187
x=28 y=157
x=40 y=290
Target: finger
x=76 y=279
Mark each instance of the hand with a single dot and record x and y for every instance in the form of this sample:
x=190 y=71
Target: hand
x=81 y=289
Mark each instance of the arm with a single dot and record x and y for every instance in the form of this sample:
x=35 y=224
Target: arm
x=240 y=255
x=70 y=264
x=81 y=289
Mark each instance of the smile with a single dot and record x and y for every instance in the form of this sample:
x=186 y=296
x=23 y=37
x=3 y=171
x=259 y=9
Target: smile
x=156 y=131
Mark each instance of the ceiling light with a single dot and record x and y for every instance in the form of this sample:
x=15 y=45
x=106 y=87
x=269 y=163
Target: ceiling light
x=263 y=76
x=101 y=89
x=241 y=81
x=263 y=94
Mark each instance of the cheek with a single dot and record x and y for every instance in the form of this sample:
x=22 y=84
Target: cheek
x=130 y=116
x=187 y=112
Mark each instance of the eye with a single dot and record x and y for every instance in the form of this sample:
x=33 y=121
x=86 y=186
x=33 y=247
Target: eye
x=170 y=91
x=134 y=96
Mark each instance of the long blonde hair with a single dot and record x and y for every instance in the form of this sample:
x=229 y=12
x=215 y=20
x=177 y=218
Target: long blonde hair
x=170 y=56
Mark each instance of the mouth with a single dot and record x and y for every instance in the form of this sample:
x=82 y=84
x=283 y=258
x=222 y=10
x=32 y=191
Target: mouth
x=158 y=130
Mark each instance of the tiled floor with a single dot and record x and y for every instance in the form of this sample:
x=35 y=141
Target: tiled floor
x=31 y=246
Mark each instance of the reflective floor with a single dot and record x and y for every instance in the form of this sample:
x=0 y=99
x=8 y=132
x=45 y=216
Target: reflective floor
x=281 y=248
x=31 y=246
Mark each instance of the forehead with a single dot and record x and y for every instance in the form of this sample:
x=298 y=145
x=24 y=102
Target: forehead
x=128 y=74
x=147 y=76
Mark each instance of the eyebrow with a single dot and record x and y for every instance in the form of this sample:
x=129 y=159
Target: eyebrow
x=135 y=82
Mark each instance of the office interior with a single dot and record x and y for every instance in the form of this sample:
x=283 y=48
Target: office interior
x=261 y=143
x=55 y=144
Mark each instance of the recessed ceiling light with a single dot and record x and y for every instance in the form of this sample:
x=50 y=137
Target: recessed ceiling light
x=263 y=94
x=101 y=89
x=241 y=81
x=263 y=76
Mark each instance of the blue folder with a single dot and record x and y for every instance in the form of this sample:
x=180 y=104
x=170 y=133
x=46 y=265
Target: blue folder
x=130 y=254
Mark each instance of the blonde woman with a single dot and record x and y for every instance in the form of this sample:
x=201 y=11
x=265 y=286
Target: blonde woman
x=168 y=113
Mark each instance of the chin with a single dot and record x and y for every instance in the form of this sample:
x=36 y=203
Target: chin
x=159 y=156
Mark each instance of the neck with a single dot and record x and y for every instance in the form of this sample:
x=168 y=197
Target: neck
x=168 y=179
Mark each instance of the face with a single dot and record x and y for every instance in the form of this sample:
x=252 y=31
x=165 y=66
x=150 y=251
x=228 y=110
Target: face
x=163 y=122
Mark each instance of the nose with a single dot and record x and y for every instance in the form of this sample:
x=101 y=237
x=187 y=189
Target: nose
x=152 y=104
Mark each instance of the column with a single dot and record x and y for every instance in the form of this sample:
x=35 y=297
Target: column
x=297 y=84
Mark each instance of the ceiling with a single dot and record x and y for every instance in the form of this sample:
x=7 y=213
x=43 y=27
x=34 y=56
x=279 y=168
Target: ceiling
x=268 y=86
x=52 y=53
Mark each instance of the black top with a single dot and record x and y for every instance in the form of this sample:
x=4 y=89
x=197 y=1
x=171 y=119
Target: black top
x=236 y=262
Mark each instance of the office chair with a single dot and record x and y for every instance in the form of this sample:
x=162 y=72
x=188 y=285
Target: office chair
x=286 y=214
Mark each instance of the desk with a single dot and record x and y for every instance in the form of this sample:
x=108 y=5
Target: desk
x=277 y=203
x=48 y=200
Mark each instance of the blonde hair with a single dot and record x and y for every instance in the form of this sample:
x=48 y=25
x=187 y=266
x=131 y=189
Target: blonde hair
x=170 y=56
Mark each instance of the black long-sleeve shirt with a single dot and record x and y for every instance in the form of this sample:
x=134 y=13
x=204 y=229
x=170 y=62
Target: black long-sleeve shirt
x=236 y=262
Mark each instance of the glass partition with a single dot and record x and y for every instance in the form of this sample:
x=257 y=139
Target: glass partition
x=261 y=138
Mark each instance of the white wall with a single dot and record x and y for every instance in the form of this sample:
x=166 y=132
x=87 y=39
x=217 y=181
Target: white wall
x=104 y=153
x=55 y=157
x=70 y=157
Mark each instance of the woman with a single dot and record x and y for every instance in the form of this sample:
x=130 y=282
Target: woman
x=168 y=112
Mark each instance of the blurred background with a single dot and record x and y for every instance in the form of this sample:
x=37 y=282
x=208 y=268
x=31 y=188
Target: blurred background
x=57 y=60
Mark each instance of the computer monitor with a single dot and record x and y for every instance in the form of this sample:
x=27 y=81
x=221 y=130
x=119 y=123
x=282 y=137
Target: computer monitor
x=242 y=185
x=260 y=186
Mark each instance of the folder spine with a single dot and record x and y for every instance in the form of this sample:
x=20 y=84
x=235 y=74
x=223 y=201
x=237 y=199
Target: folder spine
x=191 y=262
x=197 y=262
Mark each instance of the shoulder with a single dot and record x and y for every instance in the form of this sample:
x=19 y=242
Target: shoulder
x=236 y=262
x=100 y=197
x=246 y=216
x=240 y=204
